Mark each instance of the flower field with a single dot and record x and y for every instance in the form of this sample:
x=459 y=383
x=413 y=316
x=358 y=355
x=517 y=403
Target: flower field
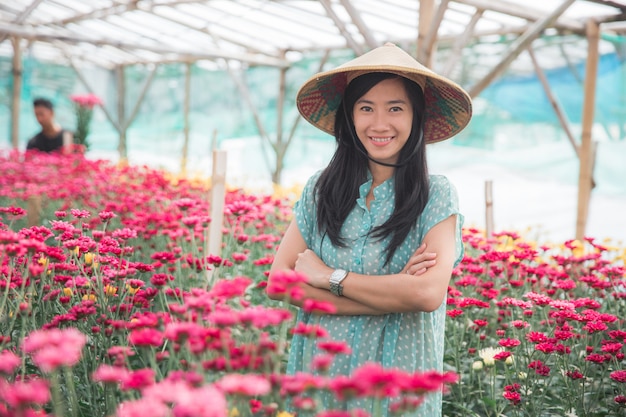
x=109 y=305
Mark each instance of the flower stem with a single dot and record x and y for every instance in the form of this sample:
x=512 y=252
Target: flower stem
x=69 y=382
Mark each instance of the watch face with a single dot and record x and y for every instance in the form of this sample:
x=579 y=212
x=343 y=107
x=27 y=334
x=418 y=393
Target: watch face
x=337 y=275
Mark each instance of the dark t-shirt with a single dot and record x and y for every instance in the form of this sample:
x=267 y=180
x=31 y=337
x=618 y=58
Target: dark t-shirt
x=46 y=144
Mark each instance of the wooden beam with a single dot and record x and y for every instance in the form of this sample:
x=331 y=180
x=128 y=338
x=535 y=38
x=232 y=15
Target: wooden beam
x=17 y=92
x=518 y=46
x=431 y=37
x=586 y=150
x=22 y=17
x=206 y=31
x=460 y=42
x=553 y=101
x=98 y=14
x=360 y=24
x=426 y=12
x=518 y=9
x=356 y=47
x=37 y=34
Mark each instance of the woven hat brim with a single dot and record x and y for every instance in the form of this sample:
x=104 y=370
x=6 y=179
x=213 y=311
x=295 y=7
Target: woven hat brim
x=448 y=107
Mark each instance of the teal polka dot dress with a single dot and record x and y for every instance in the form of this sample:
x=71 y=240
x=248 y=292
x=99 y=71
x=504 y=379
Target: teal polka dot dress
x=409 y=341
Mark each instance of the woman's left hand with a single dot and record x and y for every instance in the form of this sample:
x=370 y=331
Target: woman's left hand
x=316 y=271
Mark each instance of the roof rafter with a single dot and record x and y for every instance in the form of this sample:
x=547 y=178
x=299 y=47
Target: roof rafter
x=359 y=23
x=355 y=46
x=524 y=12
x=37 y=34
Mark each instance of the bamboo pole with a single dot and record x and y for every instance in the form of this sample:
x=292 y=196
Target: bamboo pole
x=280 y=147
x=183 y=167
x=431 y=37
x=121 y=112
x=17 y=92
x=213 y=241
x=488 y=208
x=585 y=174
x=457 y=49
x=553 y=101
x=518 y=46
x=341 y=27
x=370 y=40
x=426 y=12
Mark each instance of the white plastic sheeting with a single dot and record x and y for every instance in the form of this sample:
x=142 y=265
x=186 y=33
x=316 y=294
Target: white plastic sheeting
x=114 y=32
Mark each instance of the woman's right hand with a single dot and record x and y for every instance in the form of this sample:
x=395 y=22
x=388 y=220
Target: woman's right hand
x=420 y=261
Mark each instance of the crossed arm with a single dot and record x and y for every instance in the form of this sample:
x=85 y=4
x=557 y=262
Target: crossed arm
x=421 y=286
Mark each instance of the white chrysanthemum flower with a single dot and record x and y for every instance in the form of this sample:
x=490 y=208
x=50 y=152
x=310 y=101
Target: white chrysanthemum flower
x=488 y=354
x=477 y=365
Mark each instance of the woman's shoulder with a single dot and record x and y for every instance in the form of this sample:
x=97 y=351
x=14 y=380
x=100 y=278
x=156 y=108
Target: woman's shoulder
x=441 y=189
x=439 y=182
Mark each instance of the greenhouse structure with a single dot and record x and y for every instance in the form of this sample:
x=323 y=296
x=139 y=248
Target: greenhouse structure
x=180 y=78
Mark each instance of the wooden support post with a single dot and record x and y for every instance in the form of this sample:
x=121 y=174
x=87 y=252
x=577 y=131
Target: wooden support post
x=183 y=167
x=121 y=111
x=488 y=208
x=585 y=174
x=17 y=92
x=427 y=54
x=213 y=241
x=426 y=13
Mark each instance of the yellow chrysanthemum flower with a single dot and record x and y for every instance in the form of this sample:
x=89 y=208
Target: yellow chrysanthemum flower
x=89 y=258
x=110 y=290
x=67 y=292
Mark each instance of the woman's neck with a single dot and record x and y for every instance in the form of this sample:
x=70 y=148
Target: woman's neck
x=380 y=173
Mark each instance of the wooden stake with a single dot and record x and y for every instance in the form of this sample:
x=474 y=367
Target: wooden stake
x=213 y=242
x=585 y=174
x=488 y=208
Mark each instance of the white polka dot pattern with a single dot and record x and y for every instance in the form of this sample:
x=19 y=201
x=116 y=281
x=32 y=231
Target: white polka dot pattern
x=409 y=341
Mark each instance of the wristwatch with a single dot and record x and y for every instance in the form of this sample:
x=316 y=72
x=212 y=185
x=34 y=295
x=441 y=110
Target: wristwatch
x=336 y=277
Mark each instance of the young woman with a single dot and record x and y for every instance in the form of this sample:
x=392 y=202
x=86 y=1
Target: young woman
x=374 y=233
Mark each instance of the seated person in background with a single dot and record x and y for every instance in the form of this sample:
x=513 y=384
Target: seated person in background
x=52 y=136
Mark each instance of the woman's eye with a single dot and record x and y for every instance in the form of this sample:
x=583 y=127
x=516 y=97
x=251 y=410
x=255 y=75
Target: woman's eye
x=394 y=109
x=366 y=108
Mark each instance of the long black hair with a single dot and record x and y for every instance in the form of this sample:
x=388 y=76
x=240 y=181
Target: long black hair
x=337 y=188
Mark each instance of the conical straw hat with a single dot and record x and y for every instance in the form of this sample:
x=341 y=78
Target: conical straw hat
x=448 y=107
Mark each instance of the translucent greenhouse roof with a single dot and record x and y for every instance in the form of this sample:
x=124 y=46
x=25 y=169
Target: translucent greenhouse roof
x=270 y=32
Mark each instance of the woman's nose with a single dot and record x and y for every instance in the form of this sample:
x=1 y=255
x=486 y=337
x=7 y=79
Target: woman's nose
x=380 y=121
